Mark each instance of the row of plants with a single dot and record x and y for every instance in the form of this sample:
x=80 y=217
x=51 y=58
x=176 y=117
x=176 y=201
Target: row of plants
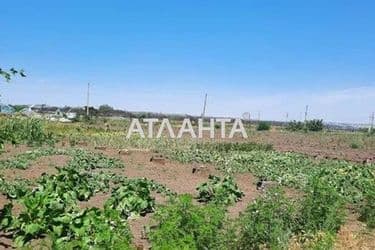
x=287 y=168
x=351 y=180
x=308 y=125
x=50 y=209
x=226 y=147
x=14 y=189
x=270 y=222
x=79 y=158
x=23 y=160
x=209 y=152
x=18 y=130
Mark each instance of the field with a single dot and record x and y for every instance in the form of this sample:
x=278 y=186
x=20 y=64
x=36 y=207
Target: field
x=85 y=186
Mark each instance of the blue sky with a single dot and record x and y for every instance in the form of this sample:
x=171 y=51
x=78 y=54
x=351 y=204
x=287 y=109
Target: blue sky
x=270 y=57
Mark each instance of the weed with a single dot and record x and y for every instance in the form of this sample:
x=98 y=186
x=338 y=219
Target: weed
x=182 y=225
x=263 y=126
x=221 y=191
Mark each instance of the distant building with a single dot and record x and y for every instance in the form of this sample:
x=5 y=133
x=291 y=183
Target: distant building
x=44 y=109
x=6 y=109
x=30 y=113
x=71 y=115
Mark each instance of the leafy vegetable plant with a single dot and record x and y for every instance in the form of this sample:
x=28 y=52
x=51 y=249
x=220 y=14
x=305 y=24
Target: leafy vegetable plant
x=221 y=191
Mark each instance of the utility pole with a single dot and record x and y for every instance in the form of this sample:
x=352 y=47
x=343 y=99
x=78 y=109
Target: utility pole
x=306 y=110
x=370 y=129
x=204 y=106
x=286 y=117
x=258 y=116
x=88 y=100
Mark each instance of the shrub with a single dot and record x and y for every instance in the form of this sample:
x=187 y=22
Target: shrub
x=314 y=125
x=220 y=191
x=263 y=126
x=182 y=225
x=311 y=125
x=232 y=146
x=23 y=130
x=322 y=208
x=295 y=126
x=367 y=208
x=267 y=223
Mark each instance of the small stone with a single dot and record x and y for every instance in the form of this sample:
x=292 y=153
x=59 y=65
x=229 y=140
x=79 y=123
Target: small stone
x=158 y=159
x=124 y=152
x=82 y=143
x=199 y=169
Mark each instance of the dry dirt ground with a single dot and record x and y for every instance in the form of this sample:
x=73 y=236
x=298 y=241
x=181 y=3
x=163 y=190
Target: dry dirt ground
x=317 y=145
x=176 y=176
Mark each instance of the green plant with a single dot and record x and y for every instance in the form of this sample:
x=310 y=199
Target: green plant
x=221 y=191
x=367 y=207
x=267 y=222
x=309 y=125
x=317 y=241
x=263 y=126
x=6 y=216
x=314 y=125
x=14 y=189
x=70 y=181
x=322 y=208
x=24 y=130
x=23 y=160
x=51 y=209
x=88 y=160
x=182 y=225
x=226 y=147
x=41 y=209
x=295 y=126
x=80 y=159
x=132 y=198
x=7 y=75
x=91 y=228
x=354 y=145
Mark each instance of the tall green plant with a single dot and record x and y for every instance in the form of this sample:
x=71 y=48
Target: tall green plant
x=24 y=130
x=322 y=208
x=183 y=225
x=267 y=223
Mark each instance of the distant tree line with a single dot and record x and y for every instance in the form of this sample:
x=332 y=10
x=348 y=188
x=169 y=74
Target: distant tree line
x=309 y=125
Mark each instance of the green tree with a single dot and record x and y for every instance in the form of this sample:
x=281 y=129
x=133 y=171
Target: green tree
x=105 y=108
x=7 y=75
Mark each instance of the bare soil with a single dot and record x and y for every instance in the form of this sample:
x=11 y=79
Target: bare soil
x=317 y=145
x=354 y=235
x=45 y=164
